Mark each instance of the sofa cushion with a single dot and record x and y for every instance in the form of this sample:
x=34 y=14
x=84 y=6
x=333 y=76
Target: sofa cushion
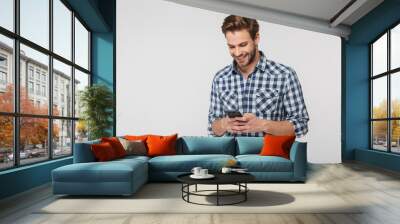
x=277 y=146
x=111 y=171
x=134 y=147
x=132 y=158
x=195 y=145
x=185 y=163
x=116 y=145
x=249 y=145
x=136 y=137
x=103 y=152
x=161 y=145
x=257 y=163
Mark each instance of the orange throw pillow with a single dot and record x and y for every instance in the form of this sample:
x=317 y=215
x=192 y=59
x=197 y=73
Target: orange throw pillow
x=161 y=145
x=135 y=138
x=277 y=146
x=116 y=145
x=103 y=151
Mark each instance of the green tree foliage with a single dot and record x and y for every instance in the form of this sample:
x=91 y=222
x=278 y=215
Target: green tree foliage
x=97 y=104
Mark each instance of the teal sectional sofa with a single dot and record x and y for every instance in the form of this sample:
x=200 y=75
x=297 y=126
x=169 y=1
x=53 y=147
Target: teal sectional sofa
x=125 y=176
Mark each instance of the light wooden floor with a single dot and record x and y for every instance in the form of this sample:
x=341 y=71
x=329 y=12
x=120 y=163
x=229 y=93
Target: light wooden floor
x=378 y=188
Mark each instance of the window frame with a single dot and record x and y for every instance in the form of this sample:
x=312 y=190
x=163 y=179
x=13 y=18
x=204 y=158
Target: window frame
x=15 y=72
x=388 y=74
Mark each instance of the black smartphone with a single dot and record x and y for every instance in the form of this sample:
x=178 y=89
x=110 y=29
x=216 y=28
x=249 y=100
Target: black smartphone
x=233 y=114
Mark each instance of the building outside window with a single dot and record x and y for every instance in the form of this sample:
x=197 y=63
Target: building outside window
x=3 y=61
x=37 y=75
x=38 y=89
x=55 y=96
x=44 y=77
x=3 y=78
x=30 y=72
x=3 y=72
x=30 y=87
x=43 y=90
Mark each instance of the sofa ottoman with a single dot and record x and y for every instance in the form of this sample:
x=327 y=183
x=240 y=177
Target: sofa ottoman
x=119 y=177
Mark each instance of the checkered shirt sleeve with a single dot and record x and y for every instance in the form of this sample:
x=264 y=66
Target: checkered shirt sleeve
x=294 y=105
x=215 y=111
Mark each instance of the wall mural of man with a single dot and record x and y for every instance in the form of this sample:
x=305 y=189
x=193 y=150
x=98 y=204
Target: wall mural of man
x=267 y=94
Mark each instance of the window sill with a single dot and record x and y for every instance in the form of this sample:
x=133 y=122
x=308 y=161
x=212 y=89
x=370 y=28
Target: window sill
x=26 y=167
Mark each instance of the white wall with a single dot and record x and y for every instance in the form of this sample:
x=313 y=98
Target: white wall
x=167 y=55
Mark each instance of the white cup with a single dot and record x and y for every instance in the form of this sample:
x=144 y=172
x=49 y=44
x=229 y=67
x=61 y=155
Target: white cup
x=203 y=172
x=226 y=170
x=196 y=171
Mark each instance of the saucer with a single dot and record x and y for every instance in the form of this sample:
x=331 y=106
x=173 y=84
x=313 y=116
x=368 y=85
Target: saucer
x=240 y=171
x=208 y=176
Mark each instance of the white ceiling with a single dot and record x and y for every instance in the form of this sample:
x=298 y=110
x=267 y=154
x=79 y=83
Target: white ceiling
x=314 y=15
x=320 y=9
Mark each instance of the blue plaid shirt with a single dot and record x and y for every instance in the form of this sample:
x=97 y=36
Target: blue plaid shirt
x=271 y=92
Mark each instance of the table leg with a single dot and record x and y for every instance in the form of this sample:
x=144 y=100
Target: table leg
x=245 y=193
x=188 y=190
x=217 y=194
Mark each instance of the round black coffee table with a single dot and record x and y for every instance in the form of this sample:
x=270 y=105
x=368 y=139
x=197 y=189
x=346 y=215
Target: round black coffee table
x=238 y=179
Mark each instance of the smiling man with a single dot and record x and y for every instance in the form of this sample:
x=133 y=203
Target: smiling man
x=268 y=94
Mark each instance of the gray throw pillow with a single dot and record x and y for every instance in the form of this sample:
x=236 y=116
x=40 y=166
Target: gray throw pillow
x=137 y=147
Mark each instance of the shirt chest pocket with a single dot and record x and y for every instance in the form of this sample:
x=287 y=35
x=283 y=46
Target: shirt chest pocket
x=267 y=100
x=229 y=100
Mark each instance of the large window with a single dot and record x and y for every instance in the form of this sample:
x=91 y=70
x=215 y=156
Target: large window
x=385 y=91
x=44 y=64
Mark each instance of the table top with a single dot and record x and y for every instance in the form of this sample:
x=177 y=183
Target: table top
x=220 y=178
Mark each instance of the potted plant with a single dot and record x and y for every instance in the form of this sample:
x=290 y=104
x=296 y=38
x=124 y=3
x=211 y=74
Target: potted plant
x=97 y=105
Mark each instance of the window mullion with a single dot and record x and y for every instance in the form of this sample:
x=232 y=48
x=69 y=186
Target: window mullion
x=389 y=106
x=50 y=87
x=16 y=84
x=370 y=98
x=73 y=82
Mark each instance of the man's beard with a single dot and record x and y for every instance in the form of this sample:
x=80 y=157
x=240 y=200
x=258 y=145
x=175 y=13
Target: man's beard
x=252 y=57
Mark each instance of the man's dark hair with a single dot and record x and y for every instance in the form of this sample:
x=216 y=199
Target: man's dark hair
x=235 y=23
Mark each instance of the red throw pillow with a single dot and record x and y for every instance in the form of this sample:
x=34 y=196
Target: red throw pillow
x=161 y=145
x=103 y=151
x=277 y=146
x=116 y=145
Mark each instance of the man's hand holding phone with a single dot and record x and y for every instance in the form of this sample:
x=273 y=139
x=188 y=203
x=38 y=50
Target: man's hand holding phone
x=233 y=121
x=243 y=124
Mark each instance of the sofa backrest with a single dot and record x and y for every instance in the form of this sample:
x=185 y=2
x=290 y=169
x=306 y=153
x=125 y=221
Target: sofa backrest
x=83 y=152
x=249 y=145
x=192 y=145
